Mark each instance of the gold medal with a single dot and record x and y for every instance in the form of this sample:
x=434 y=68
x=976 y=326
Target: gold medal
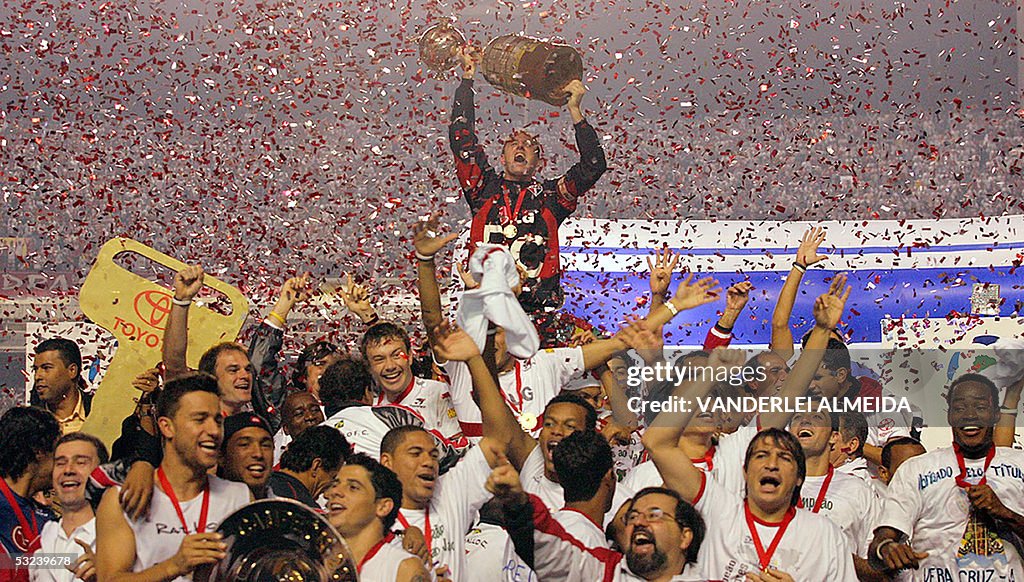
x=527 y=421
x=510 y=231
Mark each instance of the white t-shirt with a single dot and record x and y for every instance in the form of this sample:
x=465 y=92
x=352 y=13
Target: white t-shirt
x=849 y=503
x=458 y=496
x=55 y=541
x=732 y=450
x=432 y=402
x=812 y=548
x=580 y=527
x=363 y=429
x=158 y=535
x=491 y=556
x=646 y=475
x=535 y=482
x=527 y=388
x=859 y=468
x=383 y=565
x=925 y=502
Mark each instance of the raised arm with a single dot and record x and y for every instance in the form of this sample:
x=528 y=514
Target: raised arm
x=806 y=255
x=452 y=343
x=689 y=294
x=662 y=437
x=357 y=301
x=428 y=244
x=661 y=268
x=187 y=283
x=471 y=163
x=271 y=383
x=1006 y=429
x=736 y=298
x=585 y=173
x=828 y=308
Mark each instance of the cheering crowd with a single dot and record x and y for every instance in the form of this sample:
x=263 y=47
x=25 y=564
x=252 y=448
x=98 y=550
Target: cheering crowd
x=509 y=452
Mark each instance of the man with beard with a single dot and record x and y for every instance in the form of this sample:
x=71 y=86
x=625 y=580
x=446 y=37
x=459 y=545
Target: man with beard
x=76 y=456
x=663 y=531
x=187 y=503
x=362 y=504
x=247 y=453
x=963 y=507
x=759 y=537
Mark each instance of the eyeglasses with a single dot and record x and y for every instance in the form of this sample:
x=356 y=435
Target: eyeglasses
x=651 y=515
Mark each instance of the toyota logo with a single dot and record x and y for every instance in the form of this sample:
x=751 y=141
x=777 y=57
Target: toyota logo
x=152 y=307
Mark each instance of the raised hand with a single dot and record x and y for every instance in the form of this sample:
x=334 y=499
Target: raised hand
x=575 y=89
x=737 y=295
x=357 y=299
x=807 y=253
x=294 y=291
x=648 y=342
x=188 y=282
x=469 y=56
x=664 y=264
x=504 y=482
x=452 y=343
x=828 y=308
x=730 y=359
x=426 y=237
x=691 y=294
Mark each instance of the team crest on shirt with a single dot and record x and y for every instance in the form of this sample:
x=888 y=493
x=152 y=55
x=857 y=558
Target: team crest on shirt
x=980 y=546
x=339 y=424
x=20 y=539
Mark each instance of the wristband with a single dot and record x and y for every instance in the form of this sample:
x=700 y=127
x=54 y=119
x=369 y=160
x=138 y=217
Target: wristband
x=1007 y=410
x=878 y=550
x=424 y=258
x=373 y=320
x=672 y=308
x=276 y=317
x=181 y=302
x=799 y=267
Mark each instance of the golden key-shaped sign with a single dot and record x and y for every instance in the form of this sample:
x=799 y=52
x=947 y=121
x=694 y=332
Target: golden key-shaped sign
x=135 y=310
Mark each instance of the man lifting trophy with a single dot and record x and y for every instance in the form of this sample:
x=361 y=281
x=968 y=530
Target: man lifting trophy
x=512 y=207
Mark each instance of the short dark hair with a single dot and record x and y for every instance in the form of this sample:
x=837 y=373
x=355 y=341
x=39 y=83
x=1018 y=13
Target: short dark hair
x=788 y=442
x=316 y=442
x=581 y=460
x=686 y=516
x=208 y=363
x=170 y=396
x=68 y=350
x=853 y=424
x=396 y=436
x=344 y=381
x=382 y=332
x=311 y=353
x=978 y=378
x=892 y=444
x=837 y=356
x=28 y=432
x=572 y=398
x=101 y=449
x=385 y=484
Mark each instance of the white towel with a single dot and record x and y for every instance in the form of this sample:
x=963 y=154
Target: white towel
x=495 y=302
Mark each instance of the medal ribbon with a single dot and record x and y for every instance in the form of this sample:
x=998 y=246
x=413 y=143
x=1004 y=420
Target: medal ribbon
x=427 y=535
x=373 y=551
x=169 y=491
x=764 y=557
x=512 y=215
x=961 y=479
x=821 y=492
x=31 y=533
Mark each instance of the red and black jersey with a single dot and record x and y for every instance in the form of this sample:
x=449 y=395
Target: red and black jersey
x=534 y=209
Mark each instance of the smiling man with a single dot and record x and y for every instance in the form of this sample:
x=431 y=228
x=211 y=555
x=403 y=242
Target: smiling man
x=388 y=352
x=57 y=383
x=76 y=456
x=177 y=535
x=247 y=453
x=362 y=504
x=963 y=507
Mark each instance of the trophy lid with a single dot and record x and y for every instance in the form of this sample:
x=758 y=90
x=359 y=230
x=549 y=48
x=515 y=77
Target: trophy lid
x=439 y=45
x=278 y=540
